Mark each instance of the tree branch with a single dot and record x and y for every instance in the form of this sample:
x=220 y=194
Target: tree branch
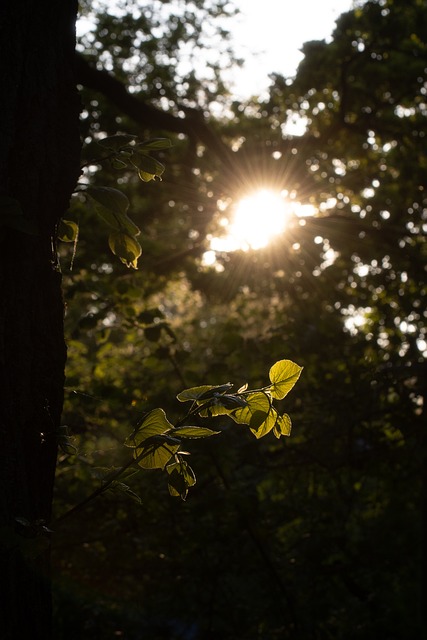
x=192 y=124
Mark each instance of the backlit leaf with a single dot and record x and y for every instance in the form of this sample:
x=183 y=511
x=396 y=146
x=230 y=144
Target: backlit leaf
x=112 y=199
x=155 y=454
x=283 y=376
x=155 y=423
x=194 y=432
x=125 y=247
x=68 y=231
x=146 y=177
x=181 y=477
x=264 y=427
x=204 y=392
x=147 y=163
x=215 y=408
x=156 y=144
x=255 y=412
x=283 y=426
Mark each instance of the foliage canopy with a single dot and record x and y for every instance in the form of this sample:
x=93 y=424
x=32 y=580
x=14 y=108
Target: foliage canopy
x=288 y=539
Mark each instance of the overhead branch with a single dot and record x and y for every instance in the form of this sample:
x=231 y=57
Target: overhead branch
x=192 y=124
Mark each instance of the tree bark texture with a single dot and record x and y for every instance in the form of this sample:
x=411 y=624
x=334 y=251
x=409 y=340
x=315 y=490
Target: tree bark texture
x=39 y=166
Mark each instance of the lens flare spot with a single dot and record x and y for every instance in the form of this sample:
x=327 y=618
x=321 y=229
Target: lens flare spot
x=258 y=218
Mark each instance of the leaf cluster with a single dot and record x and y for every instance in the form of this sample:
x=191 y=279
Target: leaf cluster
x=157 y=443
x=110 y=204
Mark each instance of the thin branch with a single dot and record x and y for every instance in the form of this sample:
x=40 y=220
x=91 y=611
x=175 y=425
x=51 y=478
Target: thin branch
x=192 y=124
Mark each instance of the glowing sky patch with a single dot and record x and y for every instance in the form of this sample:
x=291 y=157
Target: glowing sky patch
x=258 y=218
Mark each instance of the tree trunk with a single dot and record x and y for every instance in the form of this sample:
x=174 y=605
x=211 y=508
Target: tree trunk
x=39 y=166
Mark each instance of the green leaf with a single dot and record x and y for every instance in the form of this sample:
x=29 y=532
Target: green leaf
x=283 y=426
x=153 y=447
x=283 y=376
x=118 y=221
x=146 y=163
x=204 y=392
x=121 y=487
x=156 y=144
x=116 y=163
x=155 y=453
x=260 y=429
x=181 y=477
x=256 y=410
x=215 y=390
x=109 y=198
x=146 y=177
x=194 y=432
x=68 y=231
x=215 y=408
x=125 y=247
x=259 y=414
x=111 y=205
x=221 y=405
x=231 y=401
x=155 y=423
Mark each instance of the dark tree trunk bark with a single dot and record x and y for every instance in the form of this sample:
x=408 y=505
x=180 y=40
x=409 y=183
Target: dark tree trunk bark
x=39 y=166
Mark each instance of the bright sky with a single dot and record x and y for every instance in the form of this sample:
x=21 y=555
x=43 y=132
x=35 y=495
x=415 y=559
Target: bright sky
x=277 y=29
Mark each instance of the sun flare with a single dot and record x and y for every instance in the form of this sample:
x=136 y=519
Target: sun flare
x=258 y=218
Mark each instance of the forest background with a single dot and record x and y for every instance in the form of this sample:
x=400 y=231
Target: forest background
x=319 y=535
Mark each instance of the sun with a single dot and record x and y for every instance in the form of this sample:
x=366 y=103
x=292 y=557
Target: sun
x=255 y=220
x=258 y=218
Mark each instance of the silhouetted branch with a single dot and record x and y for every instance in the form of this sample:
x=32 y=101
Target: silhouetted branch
x=192 y=124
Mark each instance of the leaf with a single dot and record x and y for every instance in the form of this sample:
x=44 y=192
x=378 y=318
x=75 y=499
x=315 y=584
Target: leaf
x=118 y=221
x=153 y=447
x=260 y=429
x=112 y=199
x=111 y=205
x=215 y=390
x=146 y=177
x=121 y=487
x=125 y=247
x=68 y=230
x=156 y=144
x=259 y=414
x=156 y=453
x=203 y=392
x=215 y=408
x=155 y=423
x=222 y=405
x=146 y=163
x=231 y=401
x=256 y=410
x=181 y=477
x=116 y=163
x=283 y=376
x=283 y=426
x=194 y=432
